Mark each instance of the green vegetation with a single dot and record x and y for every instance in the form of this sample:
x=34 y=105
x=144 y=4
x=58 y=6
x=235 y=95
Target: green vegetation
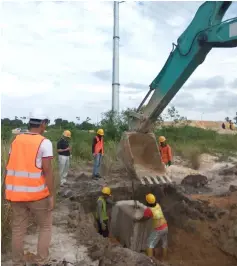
x=186 y=141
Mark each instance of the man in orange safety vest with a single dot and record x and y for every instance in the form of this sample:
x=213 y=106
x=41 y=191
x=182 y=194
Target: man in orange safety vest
x=29 y=187
x=98 y=152
x=165 y=151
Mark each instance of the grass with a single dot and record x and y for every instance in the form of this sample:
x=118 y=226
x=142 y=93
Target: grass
x=188 y=142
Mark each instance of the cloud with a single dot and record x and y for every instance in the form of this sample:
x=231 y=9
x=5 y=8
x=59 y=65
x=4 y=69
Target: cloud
x=234 y=84
x=225 y=99
x=59 y=57
x=216 y=82
x=136 y=86
x=103 y=74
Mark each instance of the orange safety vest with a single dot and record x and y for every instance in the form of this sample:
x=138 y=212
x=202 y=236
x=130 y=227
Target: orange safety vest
x=99 y=146
x=166 y=154
x=158 y=220
x=24 y=180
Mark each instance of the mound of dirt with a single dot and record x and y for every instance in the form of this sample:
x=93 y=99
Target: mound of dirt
x=224 y=230
x=140 y=155
x=229 y=171
x=195 y=180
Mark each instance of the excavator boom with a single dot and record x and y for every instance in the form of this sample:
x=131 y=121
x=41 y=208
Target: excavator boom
x=206 y=31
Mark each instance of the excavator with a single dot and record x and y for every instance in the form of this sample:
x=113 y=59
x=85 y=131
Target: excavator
x=139 y=150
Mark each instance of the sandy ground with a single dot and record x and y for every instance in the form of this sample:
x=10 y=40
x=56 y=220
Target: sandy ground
x=64 y=245
x=199 y=233
x=209 y=167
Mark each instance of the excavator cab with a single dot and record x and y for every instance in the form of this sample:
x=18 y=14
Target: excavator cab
x=140 y=155
x=138 y=148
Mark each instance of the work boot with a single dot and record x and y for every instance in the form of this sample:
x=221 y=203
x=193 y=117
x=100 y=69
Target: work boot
x=95 y=177
x=164 y=254
x=149 y=252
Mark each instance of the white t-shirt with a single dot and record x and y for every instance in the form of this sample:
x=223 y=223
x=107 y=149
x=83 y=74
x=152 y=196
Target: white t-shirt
x=45 y=151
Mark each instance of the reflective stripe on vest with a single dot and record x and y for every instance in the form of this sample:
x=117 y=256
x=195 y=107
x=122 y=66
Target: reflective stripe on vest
x=24 y=174
x=158 y=216
x=25 y=189
x=99 y=146
x=24 y=180
x=104 y=209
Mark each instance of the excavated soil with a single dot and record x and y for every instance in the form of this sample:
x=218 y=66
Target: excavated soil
x=202 y=229
x=140 y=155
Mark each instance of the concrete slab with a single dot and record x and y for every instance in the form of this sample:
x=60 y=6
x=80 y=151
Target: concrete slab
x=130 y=233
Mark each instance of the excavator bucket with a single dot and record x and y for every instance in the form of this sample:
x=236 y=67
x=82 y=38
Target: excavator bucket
x=140 y=154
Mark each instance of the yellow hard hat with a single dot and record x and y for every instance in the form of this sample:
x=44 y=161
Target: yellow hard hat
x=150 y=198
x=100 y=132
x=67 y=134
x=162 y=139
x=106 y=191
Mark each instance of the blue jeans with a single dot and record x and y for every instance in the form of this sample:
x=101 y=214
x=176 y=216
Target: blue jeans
x=97 y=161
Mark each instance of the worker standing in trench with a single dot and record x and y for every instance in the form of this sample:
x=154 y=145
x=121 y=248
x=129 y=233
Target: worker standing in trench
x=102 y=217
x=64 y=153
x=159 y=224
x=98 y=152
x=165 y=151
x=29 y=188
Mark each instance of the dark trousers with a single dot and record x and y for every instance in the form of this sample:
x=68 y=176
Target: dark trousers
x=104 y=233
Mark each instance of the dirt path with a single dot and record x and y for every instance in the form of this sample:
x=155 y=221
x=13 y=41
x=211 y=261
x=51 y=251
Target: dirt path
x=64 y=244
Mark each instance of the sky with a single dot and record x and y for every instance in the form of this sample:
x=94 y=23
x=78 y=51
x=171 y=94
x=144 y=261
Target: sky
x=58 y=56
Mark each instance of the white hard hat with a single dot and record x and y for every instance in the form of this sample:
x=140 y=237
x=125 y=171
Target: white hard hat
x=38 y=114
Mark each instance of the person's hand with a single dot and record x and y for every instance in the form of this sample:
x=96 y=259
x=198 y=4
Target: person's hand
x=51 y=203
x=93 y=155
x=103 y=226
x=135 y=219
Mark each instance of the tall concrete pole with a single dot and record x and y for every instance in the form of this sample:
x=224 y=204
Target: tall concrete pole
x=115 y=80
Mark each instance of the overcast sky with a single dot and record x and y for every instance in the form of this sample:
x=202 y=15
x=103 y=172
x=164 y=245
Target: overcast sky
x=58 y=56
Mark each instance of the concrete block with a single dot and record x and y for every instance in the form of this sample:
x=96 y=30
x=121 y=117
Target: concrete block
x=130 y=233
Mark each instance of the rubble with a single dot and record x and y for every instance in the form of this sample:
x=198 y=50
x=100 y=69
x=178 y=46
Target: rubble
x=195 y=180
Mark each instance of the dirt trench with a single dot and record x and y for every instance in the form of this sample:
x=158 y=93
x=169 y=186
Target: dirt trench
x=202 y=228
x=200 y=233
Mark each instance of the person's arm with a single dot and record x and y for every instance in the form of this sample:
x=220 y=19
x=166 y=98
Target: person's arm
x=146 y=216
x=47 y=156
x=110 y=201
x=169 y=155
x=93 y=145
x=48 y=174
x=99 y=211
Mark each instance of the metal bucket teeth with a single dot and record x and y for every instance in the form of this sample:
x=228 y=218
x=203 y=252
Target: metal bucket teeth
x=155 y=180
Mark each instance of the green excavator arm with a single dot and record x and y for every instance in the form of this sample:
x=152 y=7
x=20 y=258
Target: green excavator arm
x=206 y=31
x=139 y=149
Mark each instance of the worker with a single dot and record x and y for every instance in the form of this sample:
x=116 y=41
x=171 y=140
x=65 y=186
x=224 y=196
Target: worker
x=102 y=217
x=98 y=152
x=165 y=151
x=29 y=186
x=64 y=152
x=223 y=125
x=159 y=225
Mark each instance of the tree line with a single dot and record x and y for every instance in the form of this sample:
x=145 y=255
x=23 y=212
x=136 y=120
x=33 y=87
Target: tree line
x=113 y=124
